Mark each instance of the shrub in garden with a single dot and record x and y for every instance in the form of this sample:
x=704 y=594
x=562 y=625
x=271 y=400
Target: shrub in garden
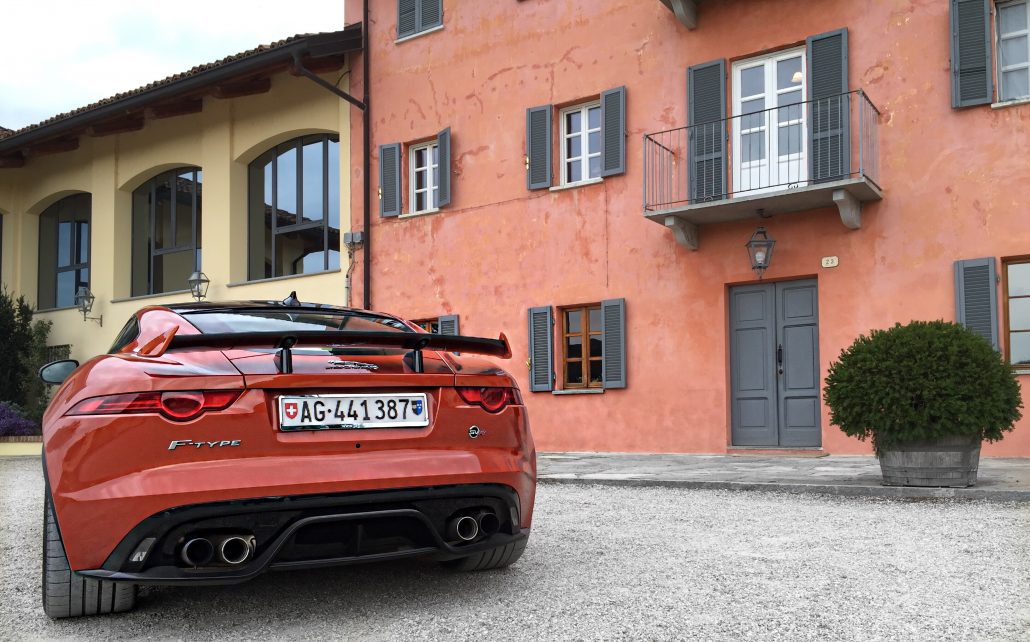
x=13 y=422
x=919 y=382
x=23 y=350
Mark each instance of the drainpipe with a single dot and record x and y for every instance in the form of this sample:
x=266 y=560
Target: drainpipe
x=366 y=161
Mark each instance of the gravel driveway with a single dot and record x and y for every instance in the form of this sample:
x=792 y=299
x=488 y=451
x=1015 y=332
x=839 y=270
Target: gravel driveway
x=610 y=563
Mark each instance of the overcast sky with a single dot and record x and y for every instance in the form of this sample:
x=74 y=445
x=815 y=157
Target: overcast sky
x=59 y=55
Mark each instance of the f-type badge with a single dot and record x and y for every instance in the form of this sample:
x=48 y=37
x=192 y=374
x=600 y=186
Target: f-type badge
x=351 y=365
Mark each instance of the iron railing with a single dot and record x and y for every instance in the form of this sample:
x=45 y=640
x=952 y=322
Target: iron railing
x=783 y=147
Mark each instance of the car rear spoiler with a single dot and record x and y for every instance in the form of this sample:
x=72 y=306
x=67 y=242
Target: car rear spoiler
x=284 y=342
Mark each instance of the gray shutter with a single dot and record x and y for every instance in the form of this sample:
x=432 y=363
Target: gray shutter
x=443 y=147
x=449 y=324
x=976 y=297
x=538 y=147
x=390 y=180
x=972 y=80
x=430 y=14
x=541 y=350
x=613 y=132
x=829 y=112
x=407 y=18
x=613 y=346
x=706 y=114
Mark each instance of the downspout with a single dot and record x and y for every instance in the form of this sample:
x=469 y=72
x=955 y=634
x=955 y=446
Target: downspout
x=366 y=123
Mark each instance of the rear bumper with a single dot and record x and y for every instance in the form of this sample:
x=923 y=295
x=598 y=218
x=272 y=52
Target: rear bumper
x=407 y=523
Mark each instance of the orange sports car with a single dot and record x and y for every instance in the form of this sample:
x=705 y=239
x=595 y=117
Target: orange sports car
x=216 y=441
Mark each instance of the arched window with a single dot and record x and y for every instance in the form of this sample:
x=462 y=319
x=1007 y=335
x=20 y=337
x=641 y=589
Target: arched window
x=294 y=208
x=166 y=231
x=63 y=251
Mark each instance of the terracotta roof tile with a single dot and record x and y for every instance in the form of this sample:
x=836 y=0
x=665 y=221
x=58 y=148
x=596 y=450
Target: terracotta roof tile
x=158 y=83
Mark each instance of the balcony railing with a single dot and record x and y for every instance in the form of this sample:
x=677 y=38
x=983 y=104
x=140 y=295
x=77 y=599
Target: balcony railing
x=789 y=147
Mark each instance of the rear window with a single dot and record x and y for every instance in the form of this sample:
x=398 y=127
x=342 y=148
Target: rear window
x=224 y=321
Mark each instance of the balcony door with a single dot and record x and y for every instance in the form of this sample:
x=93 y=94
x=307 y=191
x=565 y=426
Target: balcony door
x=770 y=140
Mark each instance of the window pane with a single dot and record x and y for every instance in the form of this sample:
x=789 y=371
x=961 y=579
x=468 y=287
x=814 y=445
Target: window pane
x=573 y=347
x=259 y=228
x=420 y=202
x=595 y=345
x=594 y=143
x=314 y=176
x=436 y=154
x=1016 y=84
x=752 y=147
x=183 y=210
x=595 y=166
x=789 y=107
x=140 y=240
x=286 y=185
x=1019 y=279
x=420 y=158
x=575 y=172
x=788 y=73
x=163 y=217
x=1020 y=347
x=299 y=252
x=594 y=118
x=1013 y=51
x=573 y=321
x=1019 y=314
x=595 y=371
x=751 y=107
x=573 y=122
x=420 y=179
x=171 y=271
x=752 y=81
x=64 y=244
x=790 y=140
x=1012 y=18
x=573 y=147
x=334 y=255
x=334 y=184
x=574 y=372
x=82 y=242
x=595 y=320
x=65 y=289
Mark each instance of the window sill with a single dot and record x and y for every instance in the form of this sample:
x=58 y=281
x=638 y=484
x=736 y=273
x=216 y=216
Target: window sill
x=1020 y=371
x=280 y=278
x=579 y=391
x=1002 y=104
x=592 y=181
x=140 y=297
x=67 y=307
x=418 y=214
x=416 y=35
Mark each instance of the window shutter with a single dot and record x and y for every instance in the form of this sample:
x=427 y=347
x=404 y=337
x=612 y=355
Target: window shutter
x=407 y=19
x=829 y=113
x=613 y=132
x=443 y=150
x=976 y=297
x=541 y=350
x=613 y=346
x=538 y=147
x=706 y=113
x=972 y=80
x=430 y=14
x=390 y=180
x=449 y=324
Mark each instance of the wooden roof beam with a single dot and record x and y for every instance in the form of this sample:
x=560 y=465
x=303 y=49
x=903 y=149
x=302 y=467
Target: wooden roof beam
x=249 y=87
x=128 y=123
x=182 y=107
x=54 y=146
x=12 y=161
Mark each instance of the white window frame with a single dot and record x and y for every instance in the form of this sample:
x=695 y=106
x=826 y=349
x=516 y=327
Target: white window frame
x=432 y=171
x=584 y=146
x=998 y=48
x=771 y=94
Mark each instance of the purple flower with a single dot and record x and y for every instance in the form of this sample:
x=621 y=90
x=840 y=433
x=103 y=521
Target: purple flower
x=13 y=423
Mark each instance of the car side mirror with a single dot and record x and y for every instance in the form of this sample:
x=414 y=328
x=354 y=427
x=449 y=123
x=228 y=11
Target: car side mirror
x=56 y=372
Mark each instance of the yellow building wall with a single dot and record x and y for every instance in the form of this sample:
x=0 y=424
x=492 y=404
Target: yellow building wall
x=221 y=140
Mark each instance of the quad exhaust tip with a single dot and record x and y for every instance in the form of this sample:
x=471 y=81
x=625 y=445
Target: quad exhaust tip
x=488 y=523
x=464 y=528
x=197 y=551
x=235 y=550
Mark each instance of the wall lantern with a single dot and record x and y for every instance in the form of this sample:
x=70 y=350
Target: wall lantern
x=759 y=251
x=84 y=302
x=198 y=283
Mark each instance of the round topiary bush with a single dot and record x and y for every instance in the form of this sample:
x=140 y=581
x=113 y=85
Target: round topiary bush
x=922 y=381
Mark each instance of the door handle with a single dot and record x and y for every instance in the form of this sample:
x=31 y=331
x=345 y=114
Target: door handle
x=779 y=359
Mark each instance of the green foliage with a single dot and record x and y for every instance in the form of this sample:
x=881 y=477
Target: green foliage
x=921 y=381
x=23 y=350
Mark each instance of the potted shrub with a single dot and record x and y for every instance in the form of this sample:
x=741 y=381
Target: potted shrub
x=927 y=393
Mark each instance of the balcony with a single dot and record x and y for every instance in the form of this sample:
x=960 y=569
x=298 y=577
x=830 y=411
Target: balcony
x=790 y=158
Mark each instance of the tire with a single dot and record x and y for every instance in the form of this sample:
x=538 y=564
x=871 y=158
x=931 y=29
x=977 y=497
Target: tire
x=494 y=558
x=68 y=594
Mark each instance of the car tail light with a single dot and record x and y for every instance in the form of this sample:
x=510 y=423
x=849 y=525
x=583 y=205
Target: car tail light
x=177 y=405
x=490 y=399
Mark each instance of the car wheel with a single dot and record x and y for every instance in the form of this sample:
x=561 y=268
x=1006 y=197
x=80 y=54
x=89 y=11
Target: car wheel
x=498 y=557
x=68 y=594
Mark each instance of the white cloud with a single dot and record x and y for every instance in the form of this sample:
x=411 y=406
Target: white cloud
x=60 y=55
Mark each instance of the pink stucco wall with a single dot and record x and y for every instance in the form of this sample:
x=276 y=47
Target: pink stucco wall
x=954 y=188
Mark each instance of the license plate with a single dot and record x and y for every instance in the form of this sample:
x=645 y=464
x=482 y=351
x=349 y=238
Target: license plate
x=349 y=412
